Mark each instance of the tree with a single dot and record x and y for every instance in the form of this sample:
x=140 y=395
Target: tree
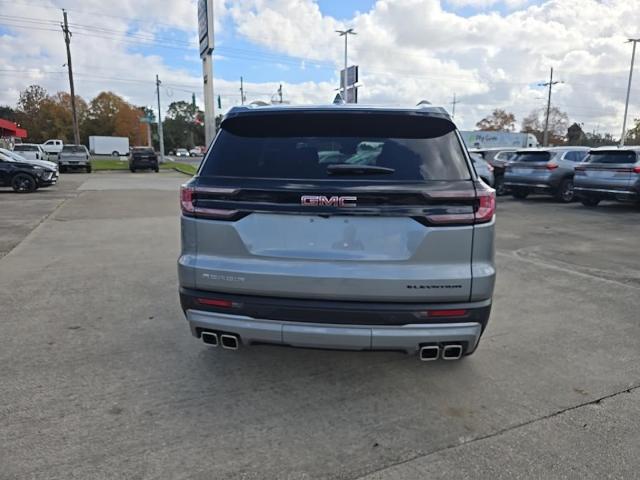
x=575 y=135
x=7 y=113
x=110 y=115
x=498 y=120
x=183 y=126
x=633 y=134
x=558 y=123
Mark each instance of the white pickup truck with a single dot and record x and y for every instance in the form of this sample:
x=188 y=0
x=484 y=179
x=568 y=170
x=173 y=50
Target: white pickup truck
x=53 y=147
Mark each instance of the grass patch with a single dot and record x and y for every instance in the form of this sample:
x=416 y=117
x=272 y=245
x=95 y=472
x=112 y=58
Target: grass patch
x=108 y=164
x=185 y=168
x=102 y=164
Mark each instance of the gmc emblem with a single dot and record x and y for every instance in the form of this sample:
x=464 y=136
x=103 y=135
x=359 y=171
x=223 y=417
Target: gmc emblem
x=322 y=201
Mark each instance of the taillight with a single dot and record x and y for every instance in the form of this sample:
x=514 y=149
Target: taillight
x=552 y=166
x=215 y=302
x=186 y=199
x=188 y=196
x=486 y=205
x=453 y=313
x=636 y=169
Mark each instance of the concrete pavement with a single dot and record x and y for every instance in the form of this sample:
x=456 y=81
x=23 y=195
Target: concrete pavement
x=101 y=378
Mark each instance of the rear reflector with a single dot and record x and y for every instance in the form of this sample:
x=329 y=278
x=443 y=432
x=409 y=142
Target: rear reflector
x=446 y=313
x=215 y=302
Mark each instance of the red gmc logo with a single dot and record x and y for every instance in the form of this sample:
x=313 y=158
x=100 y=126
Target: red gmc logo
x=322 y=201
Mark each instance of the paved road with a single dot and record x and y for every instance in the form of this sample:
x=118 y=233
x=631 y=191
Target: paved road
x=101 y=378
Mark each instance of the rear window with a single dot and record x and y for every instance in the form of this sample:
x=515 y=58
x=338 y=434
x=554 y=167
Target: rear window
x=504 y=156
x=25 y=148
x=612 y=157
x=532 y=157
x=303 y=146
x=142 y=150
x=74 y=149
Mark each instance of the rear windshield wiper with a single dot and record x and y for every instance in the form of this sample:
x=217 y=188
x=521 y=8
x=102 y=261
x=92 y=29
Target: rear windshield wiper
x=347 y=169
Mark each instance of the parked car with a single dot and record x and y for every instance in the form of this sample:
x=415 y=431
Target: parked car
x=31 y=151
x=74 y=157
x=609 y=174
x=544 y=170
x=143 y=158
x=497 y=158
x=24 y=177
x=483 y=169
x=182 y=152
x=195 y=152
x=395 y=252
x=52 y=148
x=21 y=159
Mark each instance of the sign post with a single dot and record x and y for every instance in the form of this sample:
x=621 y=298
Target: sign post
x=206 y=37
x=352 y=76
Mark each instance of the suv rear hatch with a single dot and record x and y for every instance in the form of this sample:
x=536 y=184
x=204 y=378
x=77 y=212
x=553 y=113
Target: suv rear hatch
x=611 y=170
x=531 y=167
x=338 y=206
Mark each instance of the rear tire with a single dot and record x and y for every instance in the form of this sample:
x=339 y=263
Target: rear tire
x=63 y=169
x=89 y=168
x=132 y=170
x=156 y=169
x=565 y=193
x=115 y=153
x=23 y=183
x=499 y=186
x=520 y=193
x=590 y=201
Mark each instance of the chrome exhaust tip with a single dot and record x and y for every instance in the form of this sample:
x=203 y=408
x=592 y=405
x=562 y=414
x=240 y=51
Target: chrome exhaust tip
x=210 y=338
x=429 y=353
x=230 y=342
x=452 y=352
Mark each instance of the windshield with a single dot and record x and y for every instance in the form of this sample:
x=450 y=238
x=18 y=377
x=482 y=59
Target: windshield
x=612 y=157
x=74 y=149
x=26 y=148
x=532 y=157
x=278 y=146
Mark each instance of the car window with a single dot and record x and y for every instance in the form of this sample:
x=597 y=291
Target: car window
x=612 y=157
x=74 y=149
x=532 y=157
x=302 y=146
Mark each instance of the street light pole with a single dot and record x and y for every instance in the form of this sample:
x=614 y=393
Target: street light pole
x=626 y=104
x=345 y=34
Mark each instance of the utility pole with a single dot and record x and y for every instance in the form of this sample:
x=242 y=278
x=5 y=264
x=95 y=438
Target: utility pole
x=453 y=105
x=626 y=104
x=280 y=92
x=160 y=135
x=74 y=113
x=345 y=34
x=550 y=84
x=242 y=98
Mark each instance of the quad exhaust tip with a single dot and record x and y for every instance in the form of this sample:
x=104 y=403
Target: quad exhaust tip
x=452 y=352
x=429 y=353
x=210 y=338
x=230 y=342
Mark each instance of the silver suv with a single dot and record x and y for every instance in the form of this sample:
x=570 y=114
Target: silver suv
x=609 y=173
x=544 y=170
x=343 y=227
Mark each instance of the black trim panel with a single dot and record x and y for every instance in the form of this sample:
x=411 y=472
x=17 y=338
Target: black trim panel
x=328 y=311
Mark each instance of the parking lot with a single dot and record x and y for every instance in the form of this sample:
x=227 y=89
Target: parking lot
x=102 y=379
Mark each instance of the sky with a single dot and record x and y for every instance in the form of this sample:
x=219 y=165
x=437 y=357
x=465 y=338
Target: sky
x=488 y=53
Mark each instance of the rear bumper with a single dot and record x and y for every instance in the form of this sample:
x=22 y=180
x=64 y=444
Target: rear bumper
x=407 y=338
x=335 y=324
x=607 y=193
x=532 y=185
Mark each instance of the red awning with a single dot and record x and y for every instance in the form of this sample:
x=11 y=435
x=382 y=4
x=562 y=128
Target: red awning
x=10 y=129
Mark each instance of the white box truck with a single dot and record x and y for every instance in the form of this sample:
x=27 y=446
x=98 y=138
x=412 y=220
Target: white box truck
x=486 y=139
x=115 y=146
